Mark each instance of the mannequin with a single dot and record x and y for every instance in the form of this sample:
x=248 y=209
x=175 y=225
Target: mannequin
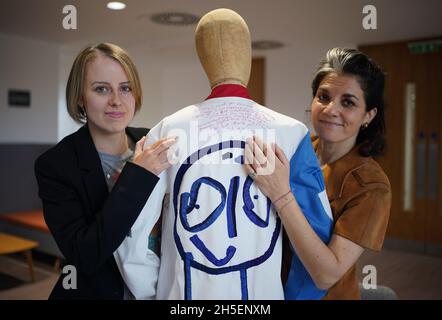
x=224 y=47
x=221 y=237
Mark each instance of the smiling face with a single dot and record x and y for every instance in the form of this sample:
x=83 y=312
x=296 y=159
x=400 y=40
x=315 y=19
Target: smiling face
x=107 y=96
x=339 y=109
x=218 y=212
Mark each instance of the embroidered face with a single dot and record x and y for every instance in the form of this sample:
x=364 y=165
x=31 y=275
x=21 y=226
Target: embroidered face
x=107 y=96
x=223 y=223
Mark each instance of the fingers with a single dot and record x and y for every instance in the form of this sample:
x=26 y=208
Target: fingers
x=154 y=157
x=159 y=146
x=262 y=146
x=249 y=169
x=164 y=144
x=166 y=157
x=250 y=158
x=167 y=153
x=257 y=152
x=263 y=154
x=139 y=146
x=140 y=142
x=280 y=154
x=164 y=165
x=264 y=158
x=155 y=144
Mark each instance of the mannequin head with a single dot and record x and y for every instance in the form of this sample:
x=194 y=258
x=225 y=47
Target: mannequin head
x=224 y=47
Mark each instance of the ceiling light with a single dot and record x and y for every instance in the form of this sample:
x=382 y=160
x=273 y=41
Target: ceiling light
x=266 y=45
x=116 y=5
x=175 y=18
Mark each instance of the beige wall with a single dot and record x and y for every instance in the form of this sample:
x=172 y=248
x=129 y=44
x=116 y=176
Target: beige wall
x=29 y=65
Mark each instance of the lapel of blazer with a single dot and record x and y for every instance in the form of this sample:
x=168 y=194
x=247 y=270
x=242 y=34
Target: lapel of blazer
x=90 y=165
x=91 y=169
x=136 y=133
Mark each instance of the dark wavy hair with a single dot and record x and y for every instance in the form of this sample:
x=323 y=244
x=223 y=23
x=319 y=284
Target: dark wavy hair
x=371 y=140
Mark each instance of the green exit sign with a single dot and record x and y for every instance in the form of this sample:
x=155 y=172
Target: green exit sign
x=424 y=47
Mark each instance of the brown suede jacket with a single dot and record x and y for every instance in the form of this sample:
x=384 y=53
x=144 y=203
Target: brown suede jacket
x=359 y=193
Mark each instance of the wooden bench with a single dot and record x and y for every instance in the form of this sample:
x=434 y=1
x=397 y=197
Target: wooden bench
x=29 y=219
x=12 y=244
x=32 y=220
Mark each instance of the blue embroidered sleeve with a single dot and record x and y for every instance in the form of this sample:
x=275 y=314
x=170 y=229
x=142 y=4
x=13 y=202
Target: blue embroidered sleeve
x=307 y=184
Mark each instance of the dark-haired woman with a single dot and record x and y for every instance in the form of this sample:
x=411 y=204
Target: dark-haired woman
x=348 y=117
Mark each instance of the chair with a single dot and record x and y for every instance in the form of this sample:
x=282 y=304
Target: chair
x=380 y=293
x=12 y=244
x=31 y=220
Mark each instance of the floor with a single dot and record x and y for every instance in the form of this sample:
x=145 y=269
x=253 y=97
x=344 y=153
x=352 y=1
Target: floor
x=410 y=275
x=15 y=267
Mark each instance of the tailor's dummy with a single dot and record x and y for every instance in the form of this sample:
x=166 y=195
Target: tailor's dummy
x=221 y=238
x=222 y=40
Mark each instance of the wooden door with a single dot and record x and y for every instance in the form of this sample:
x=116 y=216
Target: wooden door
x=257 y=81
x=414 y=127
x=434 y=126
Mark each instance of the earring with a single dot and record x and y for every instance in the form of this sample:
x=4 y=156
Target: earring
x=365 y=126
x=82 y=111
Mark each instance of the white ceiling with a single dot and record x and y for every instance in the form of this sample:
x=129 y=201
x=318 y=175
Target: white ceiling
x=290 y=21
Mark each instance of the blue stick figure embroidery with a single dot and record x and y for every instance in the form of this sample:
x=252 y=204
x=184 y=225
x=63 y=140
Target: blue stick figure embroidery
x=185 y=201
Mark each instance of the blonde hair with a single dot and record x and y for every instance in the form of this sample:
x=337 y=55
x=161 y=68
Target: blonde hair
x=75 y=85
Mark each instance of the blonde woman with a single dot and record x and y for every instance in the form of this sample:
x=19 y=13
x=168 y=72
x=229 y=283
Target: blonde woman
x=94 y=183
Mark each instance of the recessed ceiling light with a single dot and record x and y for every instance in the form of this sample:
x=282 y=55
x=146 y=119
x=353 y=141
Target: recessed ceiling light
x=266 y=45
x=116 y=5
x=175 y=18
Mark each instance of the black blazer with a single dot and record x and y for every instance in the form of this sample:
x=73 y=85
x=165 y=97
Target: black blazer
x=87 y=222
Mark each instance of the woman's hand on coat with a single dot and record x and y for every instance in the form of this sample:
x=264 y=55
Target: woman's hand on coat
x=271 y=166
x=154 y=157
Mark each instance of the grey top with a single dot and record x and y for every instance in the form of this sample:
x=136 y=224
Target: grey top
x=113 y=165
